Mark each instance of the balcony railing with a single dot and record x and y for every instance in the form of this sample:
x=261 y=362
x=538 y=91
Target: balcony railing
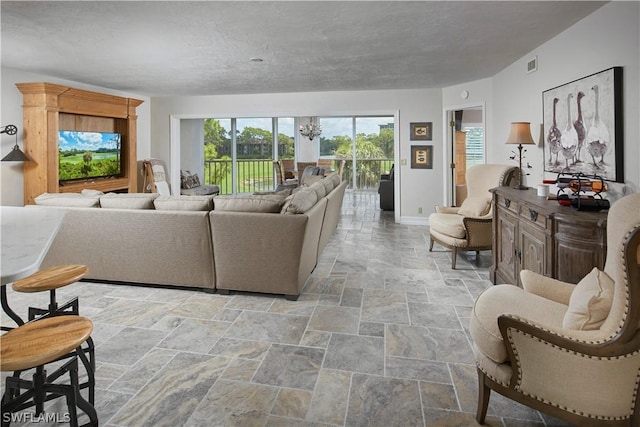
x=257 y=174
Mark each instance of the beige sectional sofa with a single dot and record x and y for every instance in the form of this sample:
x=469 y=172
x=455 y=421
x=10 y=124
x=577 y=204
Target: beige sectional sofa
x=258 y=243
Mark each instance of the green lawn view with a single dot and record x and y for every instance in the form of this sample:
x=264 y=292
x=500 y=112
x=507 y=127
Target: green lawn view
x=75 y=165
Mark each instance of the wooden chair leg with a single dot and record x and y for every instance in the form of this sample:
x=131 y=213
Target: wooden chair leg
x=484 y=393
x=430 y=244
x=454 y=255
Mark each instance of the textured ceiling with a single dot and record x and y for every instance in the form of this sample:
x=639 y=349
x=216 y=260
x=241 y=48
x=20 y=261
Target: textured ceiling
x=204 y=47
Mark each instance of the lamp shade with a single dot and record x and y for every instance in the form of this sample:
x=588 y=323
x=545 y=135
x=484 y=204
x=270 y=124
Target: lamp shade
x=15 y=155
x=520 y=133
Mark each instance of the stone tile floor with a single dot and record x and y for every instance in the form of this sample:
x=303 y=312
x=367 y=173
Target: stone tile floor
x=379 y=337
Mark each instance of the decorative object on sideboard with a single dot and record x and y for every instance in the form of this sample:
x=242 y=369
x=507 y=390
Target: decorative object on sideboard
x=582 y=192
x=520 y=134
x=590 y=141
x=311 y=129
x=16 y=154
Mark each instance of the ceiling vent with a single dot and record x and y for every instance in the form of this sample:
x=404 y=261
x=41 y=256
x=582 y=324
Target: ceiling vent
x=532 y=64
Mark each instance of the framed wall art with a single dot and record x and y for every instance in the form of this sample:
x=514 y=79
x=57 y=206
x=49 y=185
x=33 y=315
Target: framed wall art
x=421 y=131
x=422 y=157
x=583 y=129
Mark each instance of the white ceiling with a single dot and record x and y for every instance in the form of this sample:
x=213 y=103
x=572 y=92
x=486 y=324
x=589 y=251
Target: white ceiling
x=204 y=47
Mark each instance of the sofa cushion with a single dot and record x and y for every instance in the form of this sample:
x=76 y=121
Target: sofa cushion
x=183 y=203
x=449 y=224
x=590 y=302
x=300 y=201
x=255 y=203
x=329 y=184
x=311 y=179
x=90 y=192
x=335 y=178
x=475 y=206
x=318 y=187
x=128 y=200
x=71 y=200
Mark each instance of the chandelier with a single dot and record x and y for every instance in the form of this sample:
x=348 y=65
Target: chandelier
x=311 y=129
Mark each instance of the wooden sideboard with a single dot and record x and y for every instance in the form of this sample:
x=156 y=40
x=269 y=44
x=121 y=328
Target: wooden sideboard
x=532 y=233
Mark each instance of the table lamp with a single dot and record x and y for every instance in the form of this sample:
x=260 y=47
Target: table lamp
x=520 y=134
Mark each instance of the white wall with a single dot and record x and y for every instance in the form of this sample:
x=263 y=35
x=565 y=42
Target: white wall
x=608 y=37
x=11 y=177
x=420 y=188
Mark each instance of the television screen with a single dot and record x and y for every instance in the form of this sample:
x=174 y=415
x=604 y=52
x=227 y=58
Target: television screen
x=83 y=155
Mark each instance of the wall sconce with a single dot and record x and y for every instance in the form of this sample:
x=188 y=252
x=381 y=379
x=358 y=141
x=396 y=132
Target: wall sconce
x=16 y=154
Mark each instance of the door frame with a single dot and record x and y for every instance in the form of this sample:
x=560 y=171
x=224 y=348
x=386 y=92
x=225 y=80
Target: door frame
x=448 y=115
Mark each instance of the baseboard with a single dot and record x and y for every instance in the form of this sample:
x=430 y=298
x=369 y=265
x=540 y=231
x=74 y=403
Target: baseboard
x=414 y=220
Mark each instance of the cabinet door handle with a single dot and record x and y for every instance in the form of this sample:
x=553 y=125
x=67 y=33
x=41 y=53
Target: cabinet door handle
x=533 y=215
x=507 y=203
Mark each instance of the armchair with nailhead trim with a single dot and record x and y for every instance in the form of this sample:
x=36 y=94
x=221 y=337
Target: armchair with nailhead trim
x=572 y=351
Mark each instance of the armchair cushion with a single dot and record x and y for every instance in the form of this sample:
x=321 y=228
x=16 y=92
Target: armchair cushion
x=475 y=207
x=590 y=302
x=450 y=225
x=509 y=300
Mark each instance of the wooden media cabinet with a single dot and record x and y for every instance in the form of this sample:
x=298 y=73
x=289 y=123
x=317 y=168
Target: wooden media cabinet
x=48 y=108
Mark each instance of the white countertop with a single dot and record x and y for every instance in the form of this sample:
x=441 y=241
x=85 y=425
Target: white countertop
x=26 y=235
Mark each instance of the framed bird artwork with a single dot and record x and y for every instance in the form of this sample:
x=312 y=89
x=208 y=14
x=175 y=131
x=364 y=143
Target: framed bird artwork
x=583 y=130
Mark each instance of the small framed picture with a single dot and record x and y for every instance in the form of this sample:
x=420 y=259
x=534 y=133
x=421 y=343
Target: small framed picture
x=421 y=131
x=422 y=157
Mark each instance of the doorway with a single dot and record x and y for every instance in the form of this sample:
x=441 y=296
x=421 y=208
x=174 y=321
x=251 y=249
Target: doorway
x=466 y=148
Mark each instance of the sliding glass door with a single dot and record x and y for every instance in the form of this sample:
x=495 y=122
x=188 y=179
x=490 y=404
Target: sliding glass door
x=366 y=143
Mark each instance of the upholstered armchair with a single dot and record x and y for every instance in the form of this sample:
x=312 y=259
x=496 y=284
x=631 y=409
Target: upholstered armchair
x=468 y=227
x=572 y=351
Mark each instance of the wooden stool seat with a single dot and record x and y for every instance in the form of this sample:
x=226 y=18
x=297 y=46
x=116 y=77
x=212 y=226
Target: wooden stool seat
x=51 y=278
x=34 y=345
x=43 y=341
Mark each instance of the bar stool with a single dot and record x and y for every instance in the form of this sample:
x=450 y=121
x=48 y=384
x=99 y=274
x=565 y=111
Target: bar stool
x=51 y=279
x=35 y=344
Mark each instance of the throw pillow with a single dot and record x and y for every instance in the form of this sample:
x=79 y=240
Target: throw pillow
x=188 y=180
x=590 y=302
x=475 y=207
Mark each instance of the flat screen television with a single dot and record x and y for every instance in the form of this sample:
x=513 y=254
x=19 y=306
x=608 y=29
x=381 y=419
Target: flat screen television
x=84 y=155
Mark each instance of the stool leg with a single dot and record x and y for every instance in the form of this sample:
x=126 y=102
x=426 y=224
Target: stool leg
x=90 y=366
x=87 y=407
x=73 y=395
x=39 y=378
x=5 y=306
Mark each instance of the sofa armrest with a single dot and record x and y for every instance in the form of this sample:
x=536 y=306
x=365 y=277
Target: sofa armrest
x=546 y=287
